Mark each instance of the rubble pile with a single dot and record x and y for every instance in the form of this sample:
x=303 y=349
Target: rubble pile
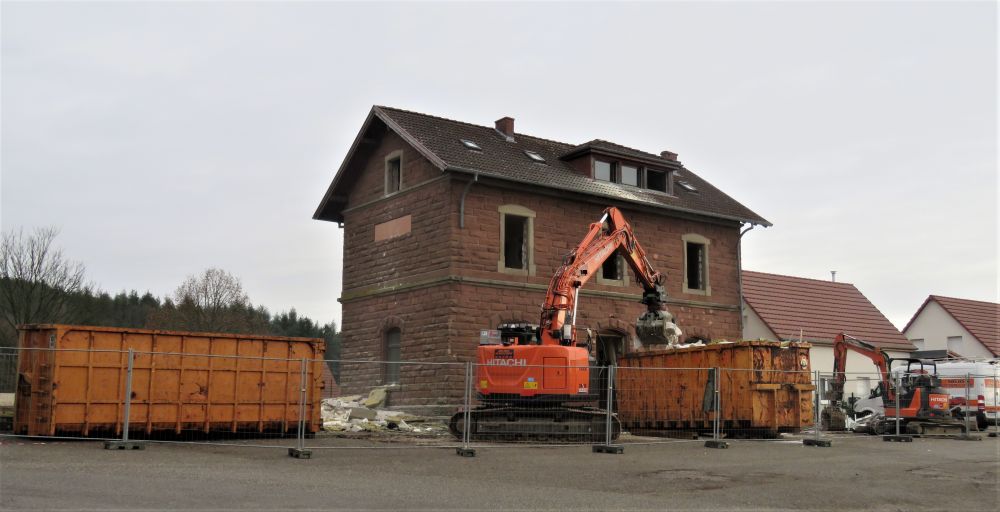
x=360 y=413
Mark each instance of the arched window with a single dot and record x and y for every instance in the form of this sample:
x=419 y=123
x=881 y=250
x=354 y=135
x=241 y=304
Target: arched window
x=392 y=356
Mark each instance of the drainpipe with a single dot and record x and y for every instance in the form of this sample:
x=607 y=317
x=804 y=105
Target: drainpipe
x=461 y=207
x=739 y=269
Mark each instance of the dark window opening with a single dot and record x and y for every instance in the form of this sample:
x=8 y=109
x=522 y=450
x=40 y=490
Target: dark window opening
x=515 y=231
x=656 y=180
x=392 y=175
x=612 y=268
x=695 y=270
x=392 y=356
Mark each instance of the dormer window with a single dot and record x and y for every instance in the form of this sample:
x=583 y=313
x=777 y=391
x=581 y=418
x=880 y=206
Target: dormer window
x=603 y=171
x=657 y=180
x=632 y=175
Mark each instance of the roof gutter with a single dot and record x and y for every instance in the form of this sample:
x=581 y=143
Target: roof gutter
x=665 y=207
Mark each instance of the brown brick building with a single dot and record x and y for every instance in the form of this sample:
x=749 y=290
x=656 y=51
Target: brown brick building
x=450 y=228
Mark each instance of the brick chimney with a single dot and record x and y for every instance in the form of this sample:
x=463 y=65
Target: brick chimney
x=505 y=125
x=666 y=155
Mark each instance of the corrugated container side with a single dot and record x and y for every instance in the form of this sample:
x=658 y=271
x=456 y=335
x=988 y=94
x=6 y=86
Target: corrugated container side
x=763 y=387
x=210 y=382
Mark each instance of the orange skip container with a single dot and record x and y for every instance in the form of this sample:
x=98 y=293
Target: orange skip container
x=72 y=381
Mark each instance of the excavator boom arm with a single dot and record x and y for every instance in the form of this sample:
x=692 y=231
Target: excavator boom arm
x=609 y=236
x=841 y=344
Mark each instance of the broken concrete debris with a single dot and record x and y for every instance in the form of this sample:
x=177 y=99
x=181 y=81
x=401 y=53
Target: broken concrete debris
x=360 y=413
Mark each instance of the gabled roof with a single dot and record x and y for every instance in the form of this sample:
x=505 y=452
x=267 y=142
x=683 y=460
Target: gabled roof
x=981 y=319
x=821 y=309
x=439 y=140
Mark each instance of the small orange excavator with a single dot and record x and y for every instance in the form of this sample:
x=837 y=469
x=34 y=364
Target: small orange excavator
x=923 y=405
x=538 y=382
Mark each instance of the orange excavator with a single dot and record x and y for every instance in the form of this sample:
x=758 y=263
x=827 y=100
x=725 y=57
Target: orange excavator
x=923 y=405
x=542 y=382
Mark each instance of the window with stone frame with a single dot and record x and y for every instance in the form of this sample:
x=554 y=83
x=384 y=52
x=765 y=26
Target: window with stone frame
x=696 y=264
x=516 y=240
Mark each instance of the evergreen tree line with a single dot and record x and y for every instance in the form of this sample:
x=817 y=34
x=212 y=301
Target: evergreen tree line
x=38 y=285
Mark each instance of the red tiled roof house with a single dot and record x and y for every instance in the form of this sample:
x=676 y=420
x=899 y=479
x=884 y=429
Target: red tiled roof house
x=781 y=308
x=967 y=328
x=451 y=228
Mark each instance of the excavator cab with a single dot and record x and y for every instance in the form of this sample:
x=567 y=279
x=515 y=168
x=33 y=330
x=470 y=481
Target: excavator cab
x=920 y=395
x=518 y=334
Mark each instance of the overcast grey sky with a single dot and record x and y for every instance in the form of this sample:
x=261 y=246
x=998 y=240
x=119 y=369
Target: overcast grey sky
x=164 y=138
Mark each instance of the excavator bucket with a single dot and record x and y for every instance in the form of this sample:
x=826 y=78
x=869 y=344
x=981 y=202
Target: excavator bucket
x=657 y=328
x=832 y=418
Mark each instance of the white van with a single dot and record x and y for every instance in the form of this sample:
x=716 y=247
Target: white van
x=983 y=389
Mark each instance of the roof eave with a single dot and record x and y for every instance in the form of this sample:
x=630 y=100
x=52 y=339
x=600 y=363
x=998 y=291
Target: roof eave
x=757 y=222
x=960 y=322
x=318 y=214
x=375 y=112
x=915 y=315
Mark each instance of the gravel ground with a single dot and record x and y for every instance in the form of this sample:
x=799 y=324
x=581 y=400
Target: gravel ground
x=857 y=473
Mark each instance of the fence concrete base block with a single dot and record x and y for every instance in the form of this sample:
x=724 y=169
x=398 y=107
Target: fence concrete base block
x=609 y=448
x=465 y=452
x=300 y=454
x=825 y=443
x=124 y=445
x=714 y=443
x=898 y=439
x=968 y=437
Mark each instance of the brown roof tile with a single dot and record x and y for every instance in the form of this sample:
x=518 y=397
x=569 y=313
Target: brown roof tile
x=982 y=319
x=440 y=140
x=821 y=309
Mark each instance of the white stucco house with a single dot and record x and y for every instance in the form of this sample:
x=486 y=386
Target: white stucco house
x=950 y=327
x=788 y=308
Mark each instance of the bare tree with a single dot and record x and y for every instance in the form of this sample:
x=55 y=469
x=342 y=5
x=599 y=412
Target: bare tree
x=36 y=280
x=214 y=301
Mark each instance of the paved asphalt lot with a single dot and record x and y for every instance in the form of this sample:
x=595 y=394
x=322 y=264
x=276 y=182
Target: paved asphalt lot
x=857 y=473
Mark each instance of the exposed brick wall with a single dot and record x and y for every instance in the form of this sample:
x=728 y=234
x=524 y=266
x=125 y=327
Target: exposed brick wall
x=425 y=249
x=440 y=322
x=561 y=223
x=422 y=315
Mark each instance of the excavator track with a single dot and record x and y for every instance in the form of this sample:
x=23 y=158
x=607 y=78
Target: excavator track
x=923 y=427
x=512 y=423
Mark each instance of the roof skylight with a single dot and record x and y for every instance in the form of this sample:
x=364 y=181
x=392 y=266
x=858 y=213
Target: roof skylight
x=534 y=156
x=687 y=186
x=471 y=145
